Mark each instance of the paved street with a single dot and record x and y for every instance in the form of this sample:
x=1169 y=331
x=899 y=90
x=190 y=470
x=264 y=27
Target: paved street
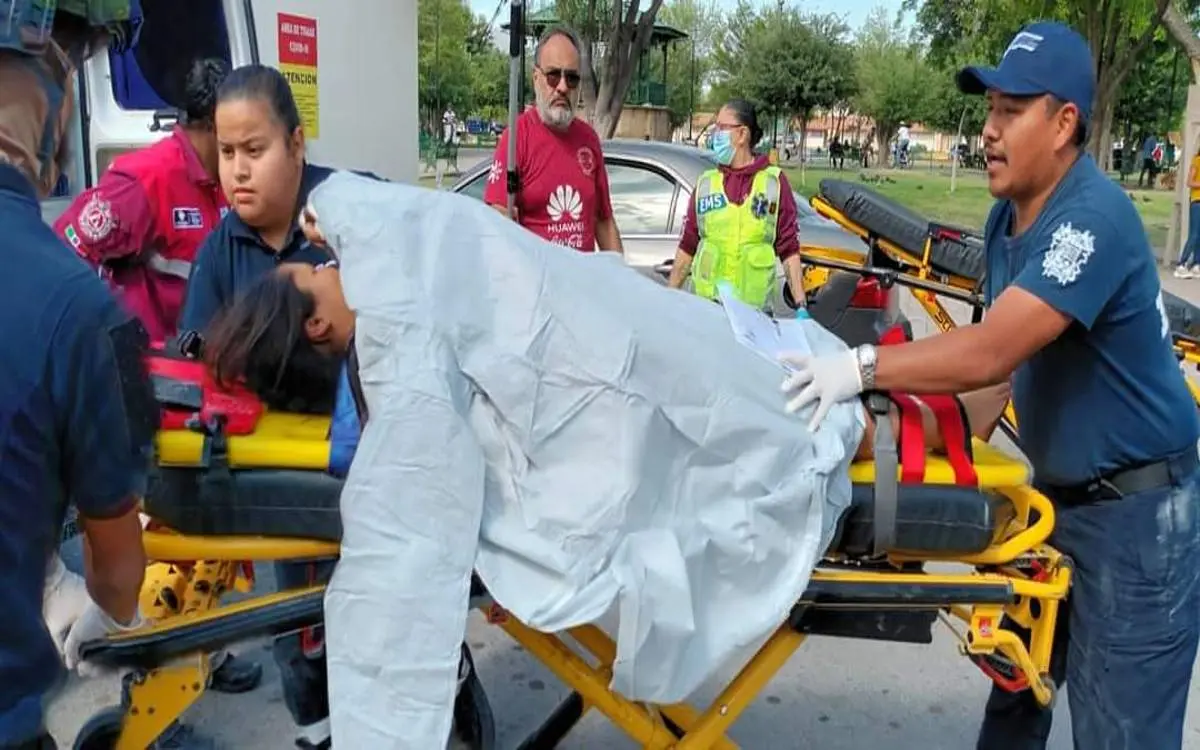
x=834 y=695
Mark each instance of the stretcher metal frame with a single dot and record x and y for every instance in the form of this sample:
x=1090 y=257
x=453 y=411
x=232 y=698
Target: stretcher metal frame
x=1019 y=576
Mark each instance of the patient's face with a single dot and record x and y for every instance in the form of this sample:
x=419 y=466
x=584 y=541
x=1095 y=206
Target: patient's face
x=332 y=322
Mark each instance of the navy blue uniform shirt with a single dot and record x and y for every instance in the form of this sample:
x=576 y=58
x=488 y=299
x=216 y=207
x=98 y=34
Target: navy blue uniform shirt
x=1108 y=393
x=77 y=420
x=234 y=256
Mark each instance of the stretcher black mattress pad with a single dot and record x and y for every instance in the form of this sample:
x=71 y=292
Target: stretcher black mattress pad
x=904 y=228
x=935 y=519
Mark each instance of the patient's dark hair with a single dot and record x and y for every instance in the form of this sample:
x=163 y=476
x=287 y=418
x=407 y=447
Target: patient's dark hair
x=260 y=339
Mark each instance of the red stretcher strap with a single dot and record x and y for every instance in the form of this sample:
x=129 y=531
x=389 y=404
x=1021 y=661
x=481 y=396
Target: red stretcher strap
x=952 y=421
x=912 y=439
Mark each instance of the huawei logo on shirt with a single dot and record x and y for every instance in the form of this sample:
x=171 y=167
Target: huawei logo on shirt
x=564 y=202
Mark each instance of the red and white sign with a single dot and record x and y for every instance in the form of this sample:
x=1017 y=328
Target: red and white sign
x=297 y=40
x=298 y=63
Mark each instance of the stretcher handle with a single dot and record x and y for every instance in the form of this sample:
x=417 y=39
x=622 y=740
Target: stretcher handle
x=888 y=277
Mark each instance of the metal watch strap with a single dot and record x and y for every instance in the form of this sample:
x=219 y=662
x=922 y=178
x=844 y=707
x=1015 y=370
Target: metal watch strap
x=866 y=356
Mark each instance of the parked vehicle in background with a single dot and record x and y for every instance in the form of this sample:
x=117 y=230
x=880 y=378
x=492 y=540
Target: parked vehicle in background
x=651 y=184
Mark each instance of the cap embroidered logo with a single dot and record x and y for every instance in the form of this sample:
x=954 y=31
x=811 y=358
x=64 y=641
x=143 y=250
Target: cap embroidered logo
x=1024 y=41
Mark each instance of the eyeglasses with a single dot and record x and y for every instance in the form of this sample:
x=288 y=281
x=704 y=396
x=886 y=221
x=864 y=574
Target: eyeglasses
x=728 y=126
x=554 y=76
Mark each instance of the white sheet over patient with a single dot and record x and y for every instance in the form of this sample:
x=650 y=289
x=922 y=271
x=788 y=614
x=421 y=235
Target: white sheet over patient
x=581 y=436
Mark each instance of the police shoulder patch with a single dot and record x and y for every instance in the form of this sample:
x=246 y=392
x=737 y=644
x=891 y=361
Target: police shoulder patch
x=1070 y=249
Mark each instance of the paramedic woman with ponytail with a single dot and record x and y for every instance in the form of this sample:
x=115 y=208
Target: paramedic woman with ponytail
x=143 y=222
x=742 y=217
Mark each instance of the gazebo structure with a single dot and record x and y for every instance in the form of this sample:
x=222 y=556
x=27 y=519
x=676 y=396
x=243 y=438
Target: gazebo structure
x=645 y=113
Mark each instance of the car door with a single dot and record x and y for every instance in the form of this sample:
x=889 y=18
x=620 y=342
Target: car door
x=644 y=199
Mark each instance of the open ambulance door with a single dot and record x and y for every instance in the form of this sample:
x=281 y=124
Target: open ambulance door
x=353 y=69
x=129 y=100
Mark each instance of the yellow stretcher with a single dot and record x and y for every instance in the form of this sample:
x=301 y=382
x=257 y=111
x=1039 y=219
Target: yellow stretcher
x=215 y=494
x=937 y=260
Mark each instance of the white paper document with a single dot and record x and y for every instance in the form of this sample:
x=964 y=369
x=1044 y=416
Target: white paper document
x=759 y=332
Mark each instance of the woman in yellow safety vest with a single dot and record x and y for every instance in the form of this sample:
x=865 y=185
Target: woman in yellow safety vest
x=742 y=216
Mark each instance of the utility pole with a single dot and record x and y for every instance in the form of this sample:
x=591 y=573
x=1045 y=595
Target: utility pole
x=692 y=86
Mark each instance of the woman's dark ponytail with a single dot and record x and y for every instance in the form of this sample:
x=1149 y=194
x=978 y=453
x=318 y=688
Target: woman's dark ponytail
x=200 y=90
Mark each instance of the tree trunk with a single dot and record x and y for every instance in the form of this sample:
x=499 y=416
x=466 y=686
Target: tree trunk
x=587 y=64
x=1179 y=28
x=627 y=39
x=1104 y=27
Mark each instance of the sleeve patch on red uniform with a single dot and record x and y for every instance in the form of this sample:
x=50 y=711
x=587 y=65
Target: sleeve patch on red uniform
x=96 y=220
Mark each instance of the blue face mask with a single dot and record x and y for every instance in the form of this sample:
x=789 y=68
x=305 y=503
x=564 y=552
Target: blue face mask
x=721 y=145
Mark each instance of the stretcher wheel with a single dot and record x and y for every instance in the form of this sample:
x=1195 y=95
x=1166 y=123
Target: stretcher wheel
x=474 y=724
x=102 y=731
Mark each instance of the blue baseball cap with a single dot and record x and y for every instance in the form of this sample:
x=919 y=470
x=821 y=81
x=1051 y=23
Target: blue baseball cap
x=1043 y=58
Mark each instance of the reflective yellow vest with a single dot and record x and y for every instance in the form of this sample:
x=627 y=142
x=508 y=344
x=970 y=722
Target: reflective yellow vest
x=737 y=243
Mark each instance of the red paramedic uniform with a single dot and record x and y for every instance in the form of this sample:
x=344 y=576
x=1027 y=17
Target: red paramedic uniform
x=142 y=224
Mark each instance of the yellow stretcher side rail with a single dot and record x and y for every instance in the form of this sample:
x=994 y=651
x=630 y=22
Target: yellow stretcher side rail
x=280 y=441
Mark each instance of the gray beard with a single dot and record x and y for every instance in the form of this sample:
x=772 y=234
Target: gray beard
x=558 y=118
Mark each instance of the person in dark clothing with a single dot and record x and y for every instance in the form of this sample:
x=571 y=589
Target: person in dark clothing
x=77 y=411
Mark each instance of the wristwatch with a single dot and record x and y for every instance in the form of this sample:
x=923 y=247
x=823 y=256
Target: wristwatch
x=867 y=357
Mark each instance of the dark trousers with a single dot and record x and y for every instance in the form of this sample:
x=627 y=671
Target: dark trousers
x=45 y=742
x=301 y=656
x=1127 y=638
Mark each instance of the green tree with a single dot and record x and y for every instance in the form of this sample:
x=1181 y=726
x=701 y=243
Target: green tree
x=1118 y=31
x=614 y=36
x=444 y=66
x=893 y=77
x=946 y=108
x=1152 y=99
x=689 y=61
x=788 y=63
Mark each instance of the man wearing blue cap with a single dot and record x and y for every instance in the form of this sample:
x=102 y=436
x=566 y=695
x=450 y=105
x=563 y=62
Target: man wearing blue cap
x=1076 y=320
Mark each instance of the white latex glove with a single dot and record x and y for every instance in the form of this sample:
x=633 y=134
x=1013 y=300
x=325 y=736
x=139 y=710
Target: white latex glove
x=826 y=380
x=94 y=624
x=64 y=600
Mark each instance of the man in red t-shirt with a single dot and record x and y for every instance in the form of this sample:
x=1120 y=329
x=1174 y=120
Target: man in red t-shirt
x=564 y=188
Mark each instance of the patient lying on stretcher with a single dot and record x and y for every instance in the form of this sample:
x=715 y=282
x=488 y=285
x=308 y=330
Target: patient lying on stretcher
x=289 y=325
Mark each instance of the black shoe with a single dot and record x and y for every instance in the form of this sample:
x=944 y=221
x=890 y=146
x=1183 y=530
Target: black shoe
x=305 y=744
x=236 y=675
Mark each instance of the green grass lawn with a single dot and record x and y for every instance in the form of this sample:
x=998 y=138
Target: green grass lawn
x=928 y=193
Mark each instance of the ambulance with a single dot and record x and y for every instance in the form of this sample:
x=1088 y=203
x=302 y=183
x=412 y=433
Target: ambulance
x=352 y=67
